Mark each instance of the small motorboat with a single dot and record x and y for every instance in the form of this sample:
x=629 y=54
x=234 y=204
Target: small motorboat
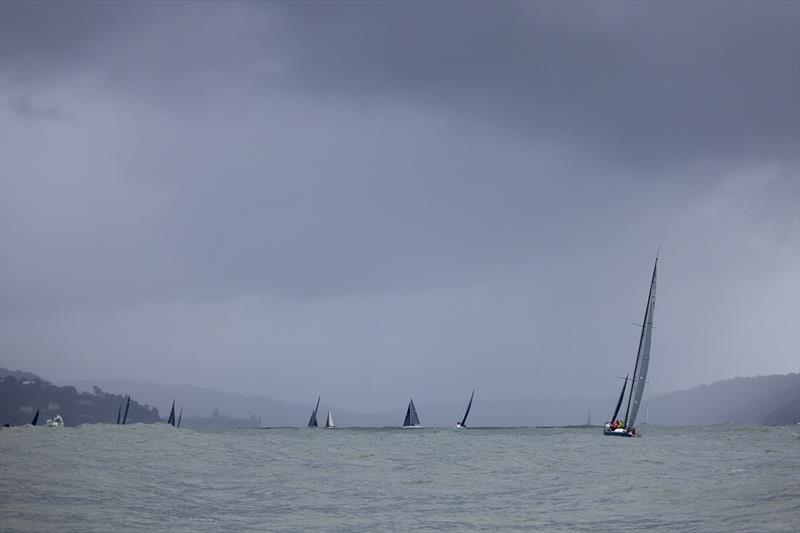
x=56 y=422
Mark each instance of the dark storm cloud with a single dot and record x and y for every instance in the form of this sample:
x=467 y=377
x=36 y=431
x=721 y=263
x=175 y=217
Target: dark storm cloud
x=639 y=82
x=643 y=81
x=363 y=190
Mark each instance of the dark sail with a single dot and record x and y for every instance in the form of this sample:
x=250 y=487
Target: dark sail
x=642 y=356
x=127 y=406
x=171 y=420
x=180 y=417
x=119 y=413
x=411 y=415
x=312 y=422
x=35 y=417
x=469 y=406
x=619 y=402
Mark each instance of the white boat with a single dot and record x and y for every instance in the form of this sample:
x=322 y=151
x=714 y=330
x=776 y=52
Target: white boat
x=329 y=423
x=627 y=427
x=463 y=422
x=412 y=419
x=56 y=422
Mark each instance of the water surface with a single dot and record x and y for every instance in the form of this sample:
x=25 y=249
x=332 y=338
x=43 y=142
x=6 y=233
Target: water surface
x=123 y=478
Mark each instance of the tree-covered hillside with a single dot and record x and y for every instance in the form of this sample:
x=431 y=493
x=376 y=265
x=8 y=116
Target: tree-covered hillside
x=19 y=399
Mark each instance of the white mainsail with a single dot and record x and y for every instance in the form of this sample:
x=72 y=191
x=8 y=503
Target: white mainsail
x=329 y=423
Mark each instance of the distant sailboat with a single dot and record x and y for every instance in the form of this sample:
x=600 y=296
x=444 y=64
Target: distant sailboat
x=127 y=406
x=589 y=418
x=329 y=423
x=412 y=420
x=312 y=422
x=463 y=422
x=35 y=418
x=171 y=419
x=119 y=413
x=627 y=428
x=180 y=417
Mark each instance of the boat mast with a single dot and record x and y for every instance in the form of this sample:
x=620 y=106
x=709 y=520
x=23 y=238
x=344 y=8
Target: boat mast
x=641 y=342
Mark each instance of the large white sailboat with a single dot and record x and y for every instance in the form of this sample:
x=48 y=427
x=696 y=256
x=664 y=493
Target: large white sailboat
x=627 y=427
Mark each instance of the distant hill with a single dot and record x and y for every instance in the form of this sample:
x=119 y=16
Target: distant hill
x=20 y=398
x=19 y=375
x=199 y=403
x=760 y=400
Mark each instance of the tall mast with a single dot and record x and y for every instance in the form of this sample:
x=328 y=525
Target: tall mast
x=641 y=342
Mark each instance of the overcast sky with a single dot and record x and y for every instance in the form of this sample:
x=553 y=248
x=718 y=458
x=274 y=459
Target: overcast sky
x=374 y=200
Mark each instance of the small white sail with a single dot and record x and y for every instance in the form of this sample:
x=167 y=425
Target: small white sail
x=329 y=423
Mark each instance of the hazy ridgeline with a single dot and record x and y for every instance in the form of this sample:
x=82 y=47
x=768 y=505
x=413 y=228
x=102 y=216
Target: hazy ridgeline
x=22 y=393
x=762 y=400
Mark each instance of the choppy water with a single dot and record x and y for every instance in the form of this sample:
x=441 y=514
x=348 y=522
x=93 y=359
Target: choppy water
x=138 y=477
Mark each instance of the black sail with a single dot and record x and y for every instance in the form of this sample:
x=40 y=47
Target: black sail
x=127 y=407
x=411 y=415
x=119 y=413
x=171 y=420
x=469 y=406
x=35 y=417
x=180 y=417
x=619 y=402
x=312 y=422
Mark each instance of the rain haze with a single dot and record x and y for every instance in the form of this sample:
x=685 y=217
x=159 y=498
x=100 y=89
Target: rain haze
x=370 y=201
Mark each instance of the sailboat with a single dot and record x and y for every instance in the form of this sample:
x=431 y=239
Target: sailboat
x=412 y=420
x=35 y=418
x=171 y=419
x=329 y=423
x=119 y=413
x=312 y=422
x=127 y=406
x=589 y=418
x=627 y=428
x=463 y=422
